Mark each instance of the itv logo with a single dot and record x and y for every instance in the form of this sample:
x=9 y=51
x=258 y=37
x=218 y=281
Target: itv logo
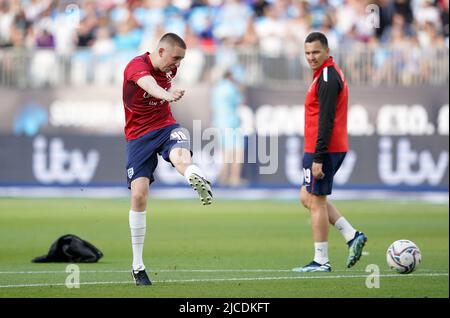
x=52 y=163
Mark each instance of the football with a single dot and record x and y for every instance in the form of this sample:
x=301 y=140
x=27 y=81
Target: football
x=403 y=256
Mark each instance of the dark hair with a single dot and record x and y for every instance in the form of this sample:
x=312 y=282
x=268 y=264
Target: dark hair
x=173 y=40
x=317 y=36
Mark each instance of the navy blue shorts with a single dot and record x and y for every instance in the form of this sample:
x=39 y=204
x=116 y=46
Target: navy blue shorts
x=142 y=152
x=331 y=164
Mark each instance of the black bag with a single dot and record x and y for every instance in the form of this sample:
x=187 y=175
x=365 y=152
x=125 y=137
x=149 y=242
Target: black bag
x=72 y=249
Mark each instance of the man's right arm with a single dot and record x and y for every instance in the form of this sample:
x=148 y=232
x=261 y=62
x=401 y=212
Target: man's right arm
x=149 y=84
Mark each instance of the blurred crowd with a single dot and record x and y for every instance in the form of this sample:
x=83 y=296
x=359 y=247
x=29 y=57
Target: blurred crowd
x=273 y=28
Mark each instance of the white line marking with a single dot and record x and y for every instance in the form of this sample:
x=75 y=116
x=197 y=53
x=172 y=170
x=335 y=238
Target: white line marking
x=325 y=276
x=64 y=272
x=292 y=277
x=62 y=284
x=199 y=271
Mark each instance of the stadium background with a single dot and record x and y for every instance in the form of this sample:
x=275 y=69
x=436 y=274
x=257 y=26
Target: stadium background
x=61 y=67
x=61 y=122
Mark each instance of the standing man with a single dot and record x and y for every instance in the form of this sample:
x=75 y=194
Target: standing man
x=150 y=129
x=325 y=148
x=226 y=99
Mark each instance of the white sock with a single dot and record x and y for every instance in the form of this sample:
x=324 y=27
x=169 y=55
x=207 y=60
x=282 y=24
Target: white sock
x=138 y=227
x=193 y=169
x=321 y=252
x=345 y=228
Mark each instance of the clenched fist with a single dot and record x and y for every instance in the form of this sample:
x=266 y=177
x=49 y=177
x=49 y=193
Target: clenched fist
x=176 y=95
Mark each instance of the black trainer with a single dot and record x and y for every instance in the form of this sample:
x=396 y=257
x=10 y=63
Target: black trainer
x=355 y=248
x=141 y=278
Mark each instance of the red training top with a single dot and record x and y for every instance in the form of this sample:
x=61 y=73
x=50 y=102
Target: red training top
x=326 y=107
x=143 y=112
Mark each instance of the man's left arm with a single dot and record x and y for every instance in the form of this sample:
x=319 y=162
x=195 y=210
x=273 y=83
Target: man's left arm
x=329 y=86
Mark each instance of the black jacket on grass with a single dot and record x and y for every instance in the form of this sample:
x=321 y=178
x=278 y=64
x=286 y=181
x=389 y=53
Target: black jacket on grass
x=71 y=249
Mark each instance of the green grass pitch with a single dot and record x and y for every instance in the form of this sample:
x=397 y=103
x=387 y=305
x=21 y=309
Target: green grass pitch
x=230 y=249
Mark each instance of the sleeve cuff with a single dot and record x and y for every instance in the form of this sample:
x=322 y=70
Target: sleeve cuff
x=138 y=75
x=318 y=158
